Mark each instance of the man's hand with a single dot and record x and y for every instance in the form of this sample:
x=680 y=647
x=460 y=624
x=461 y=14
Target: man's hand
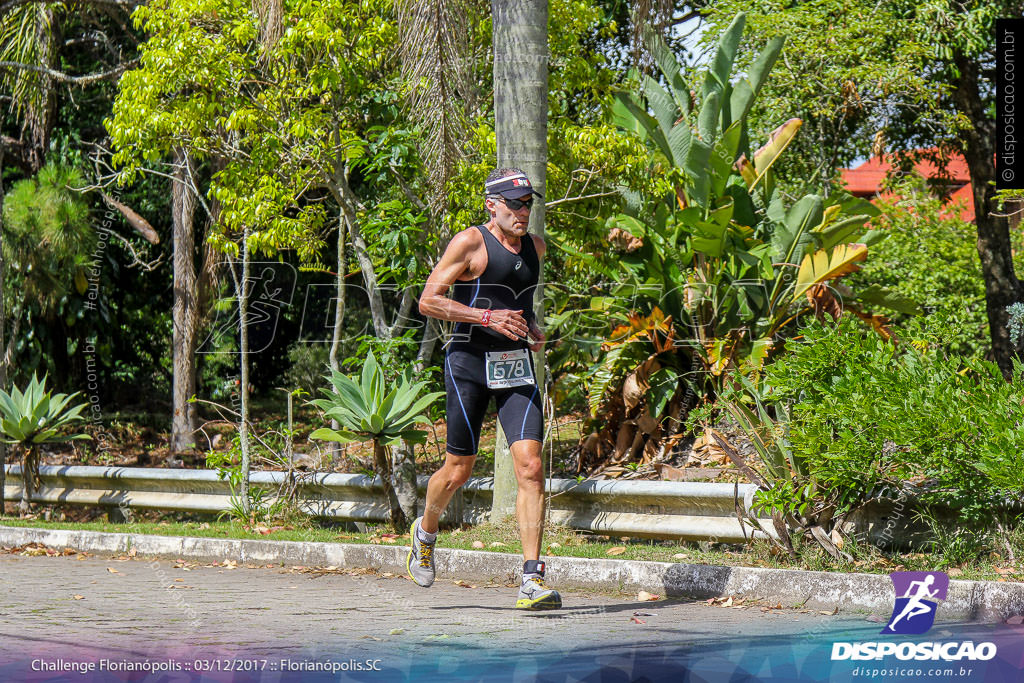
x=512 y=324
x=538 y=337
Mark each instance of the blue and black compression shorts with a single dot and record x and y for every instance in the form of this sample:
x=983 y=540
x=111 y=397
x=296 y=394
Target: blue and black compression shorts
x=465 y=379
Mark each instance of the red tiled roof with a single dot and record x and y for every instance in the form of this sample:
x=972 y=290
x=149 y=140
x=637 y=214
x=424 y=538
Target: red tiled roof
x=866 y=179
x=964 y=199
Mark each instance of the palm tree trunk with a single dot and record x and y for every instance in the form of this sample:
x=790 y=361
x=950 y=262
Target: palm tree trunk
x=398 y=519
x=520 y=37
x=185 y=314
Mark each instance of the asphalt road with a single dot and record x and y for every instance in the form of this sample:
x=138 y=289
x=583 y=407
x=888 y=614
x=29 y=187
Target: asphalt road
x=285 y=621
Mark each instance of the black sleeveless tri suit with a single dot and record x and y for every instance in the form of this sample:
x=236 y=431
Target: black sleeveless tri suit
x=508 y=282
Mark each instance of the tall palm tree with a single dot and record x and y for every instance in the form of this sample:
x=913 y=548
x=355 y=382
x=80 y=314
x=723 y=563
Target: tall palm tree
x=520 y=37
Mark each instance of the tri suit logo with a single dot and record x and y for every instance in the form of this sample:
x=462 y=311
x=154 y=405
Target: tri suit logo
x=917 y=597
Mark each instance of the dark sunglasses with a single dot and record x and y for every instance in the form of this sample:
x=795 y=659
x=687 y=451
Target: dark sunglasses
x=516 y=204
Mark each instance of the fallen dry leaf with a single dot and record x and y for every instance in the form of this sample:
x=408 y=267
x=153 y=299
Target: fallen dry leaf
x=396 y=631
x=463 y=584
x=82 y=597
x=112 y=570
x=497 y=544
x=727 y=603
x=617 y=550
x=478 y=544
x=1015 y=620
x=644 y=596
x=679 y=556
x=132 y=552
x=635 y=620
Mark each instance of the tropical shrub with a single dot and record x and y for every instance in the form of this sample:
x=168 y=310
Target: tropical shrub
x=714 y=273
x=31 y=419
x=866 y=415
x=368 y=412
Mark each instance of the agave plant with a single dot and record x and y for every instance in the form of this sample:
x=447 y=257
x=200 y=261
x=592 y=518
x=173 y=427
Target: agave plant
x=366 y=411
x=34 y=418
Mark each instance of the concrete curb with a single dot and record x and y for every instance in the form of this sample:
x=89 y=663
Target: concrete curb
x=985 y=601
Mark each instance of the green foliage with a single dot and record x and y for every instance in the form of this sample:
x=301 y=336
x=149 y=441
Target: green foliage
x=36 y=416
x=279 y=116
x=956 y=545
x=868 y=414
x=48 y=236
x=851 y=70
x=930 y=257
x=366 y=411
x=33 y=418
x=719 y=267
x=262 y=505
x=306 y=364
x=1016 y=322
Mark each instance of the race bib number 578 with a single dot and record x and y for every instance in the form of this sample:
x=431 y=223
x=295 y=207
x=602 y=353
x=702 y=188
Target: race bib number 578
x=507 y=369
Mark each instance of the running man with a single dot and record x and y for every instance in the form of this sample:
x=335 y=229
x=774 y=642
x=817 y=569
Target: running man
x=493 y=271
x=917 y=592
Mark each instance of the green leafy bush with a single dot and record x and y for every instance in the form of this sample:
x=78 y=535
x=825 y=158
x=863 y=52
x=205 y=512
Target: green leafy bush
x=307 y=362
x=867 y=413
x=931 y=257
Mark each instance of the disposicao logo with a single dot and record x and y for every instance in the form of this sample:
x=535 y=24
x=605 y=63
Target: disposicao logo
x=918 y=595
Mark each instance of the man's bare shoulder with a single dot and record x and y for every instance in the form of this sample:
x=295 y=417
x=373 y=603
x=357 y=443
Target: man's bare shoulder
x=465 y=241
x=539 y=243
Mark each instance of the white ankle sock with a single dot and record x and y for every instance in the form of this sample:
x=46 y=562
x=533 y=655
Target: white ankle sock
x=424 y=537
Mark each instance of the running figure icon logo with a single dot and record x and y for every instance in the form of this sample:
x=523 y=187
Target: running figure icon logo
x=917 y=597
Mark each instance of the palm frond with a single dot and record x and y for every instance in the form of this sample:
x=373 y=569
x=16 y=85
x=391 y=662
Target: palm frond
x=436 y=58
x=648 y=16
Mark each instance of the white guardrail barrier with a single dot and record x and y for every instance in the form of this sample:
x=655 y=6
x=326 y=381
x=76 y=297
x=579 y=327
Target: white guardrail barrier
x=693 y=511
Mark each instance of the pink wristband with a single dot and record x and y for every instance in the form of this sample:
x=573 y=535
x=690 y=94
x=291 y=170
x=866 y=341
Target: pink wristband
x=485 y=320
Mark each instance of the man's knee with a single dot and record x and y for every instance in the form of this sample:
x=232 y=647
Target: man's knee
x=458 y=472
x=530 y=472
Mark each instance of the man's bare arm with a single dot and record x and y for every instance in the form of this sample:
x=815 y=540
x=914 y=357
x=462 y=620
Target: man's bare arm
x=455 y=262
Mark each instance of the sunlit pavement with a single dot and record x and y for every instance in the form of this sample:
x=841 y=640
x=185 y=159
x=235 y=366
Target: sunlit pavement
x=284 y=620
